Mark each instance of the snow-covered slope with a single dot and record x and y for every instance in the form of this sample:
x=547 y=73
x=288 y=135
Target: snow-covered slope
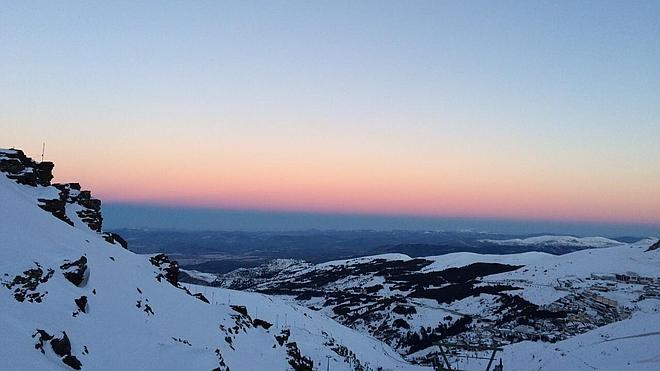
x=559 y=241
x=72 y=300
x=243 y=277
x=537 y=306
x=626 y=345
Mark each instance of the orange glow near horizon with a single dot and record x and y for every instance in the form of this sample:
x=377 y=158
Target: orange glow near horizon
x=337 y=184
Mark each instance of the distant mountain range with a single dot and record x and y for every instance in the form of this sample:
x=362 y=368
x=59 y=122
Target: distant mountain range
x=222 y=251
x=558 y=241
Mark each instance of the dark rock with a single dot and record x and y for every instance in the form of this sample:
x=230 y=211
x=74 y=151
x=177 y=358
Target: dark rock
x=373 y=289
x=115 y=238
x=44 y=173
x=11 y=165
x=404 y=310
x=61 y=347
x=75 y=271
x=148 y=310
x=56 y=207
x=25 y=286
x=653 y=247
x=201 y=297
x=72 y=362
x=400 y=323
x=297 y=361
x=283 y=337
x=182 y=341
x=70 y=193
x=261 y=323
x=85 y=200
x=169 y=269
x=240 y=309
x=81 y=302
x=24 y=170
x=44 y=337
x=92 y=218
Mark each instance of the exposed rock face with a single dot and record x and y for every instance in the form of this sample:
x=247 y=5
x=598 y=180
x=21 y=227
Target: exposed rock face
x=655 y=246
x=261 y=323
x=81 y=303
x=115 y=238
x=298 y=361
x=240 y=309
x=24 y=170
x=61 y=347
x=75 y=271
x=71 y=194
x=26 y=286
x=201 y=297
x=168 y=269
x=57 y=207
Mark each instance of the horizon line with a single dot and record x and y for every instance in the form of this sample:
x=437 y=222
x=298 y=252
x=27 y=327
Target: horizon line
x=384 y=215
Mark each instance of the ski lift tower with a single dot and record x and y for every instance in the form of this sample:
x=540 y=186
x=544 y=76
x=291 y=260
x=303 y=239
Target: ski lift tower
x=446 y=365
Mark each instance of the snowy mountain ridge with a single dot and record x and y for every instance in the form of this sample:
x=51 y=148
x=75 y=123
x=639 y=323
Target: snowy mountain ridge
x=559 y=241
x=531 y=304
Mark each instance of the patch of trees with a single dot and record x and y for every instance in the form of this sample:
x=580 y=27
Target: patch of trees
x=459 y=291
x=427 y=336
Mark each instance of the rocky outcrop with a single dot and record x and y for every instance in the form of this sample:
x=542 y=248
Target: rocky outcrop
x=168 y=269
x=26 y=286
x=61 y=347
x=24 y=170
x=114 y=238
x=70 y=196
x=201 y=297
x=261 y=323
x=75 y=271
x=654 y=247
x=57 y=207
x=81 y=303
x=298 y=361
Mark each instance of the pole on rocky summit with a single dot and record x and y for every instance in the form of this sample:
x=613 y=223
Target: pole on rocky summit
x=43 y=150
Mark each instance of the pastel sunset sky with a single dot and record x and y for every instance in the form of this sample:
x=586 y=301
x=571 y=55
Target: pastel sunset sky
x=485 y=109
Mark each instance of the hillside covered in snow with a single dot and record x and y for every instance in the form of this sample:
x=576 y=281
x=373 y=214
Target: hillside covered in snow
x=559 y=241
x=591 y=309
x=72 y=297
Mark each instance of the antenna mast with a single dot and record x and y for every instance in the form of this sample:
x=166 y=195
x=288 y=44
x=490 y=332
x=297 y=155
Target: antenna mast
x=43 y=150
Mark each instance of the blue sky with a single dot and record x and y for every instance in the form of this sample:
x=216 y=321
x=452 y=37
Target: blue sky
x=531 y=110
